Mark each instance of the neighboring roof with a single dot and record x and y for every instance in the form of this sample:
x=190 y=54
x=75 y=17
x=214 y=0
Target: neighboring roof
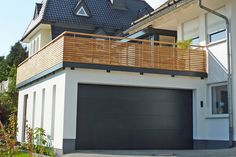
x=165 y=8
x=102 y=14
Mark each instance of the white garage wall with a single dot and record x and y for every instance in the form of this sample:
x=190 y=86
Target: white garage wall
x=73 y=77
x=58 y=80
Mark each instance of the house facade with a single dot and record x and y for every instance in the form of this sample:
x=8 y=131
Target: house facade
x=205 y=29
x=52 y=18
x=95 y=91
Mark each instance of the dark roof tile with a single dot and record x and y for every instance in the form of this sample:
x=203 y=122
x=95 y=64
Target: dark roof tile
x=102 y=13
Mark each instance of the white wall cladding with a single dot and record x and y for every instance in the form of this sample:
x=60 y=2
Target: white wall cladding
x=191 y=29
x=57 y=79
x=219 y=51
x=216 y=70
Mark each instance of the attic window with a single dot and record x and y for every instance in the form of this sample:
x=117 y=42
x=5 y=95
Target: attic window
x=82 y=12
x=118 y=4
x=38 y=7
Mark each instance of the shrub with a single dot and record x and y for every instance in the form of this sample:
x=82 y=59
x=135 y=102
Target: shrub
x=8 y=135
x=38 y=142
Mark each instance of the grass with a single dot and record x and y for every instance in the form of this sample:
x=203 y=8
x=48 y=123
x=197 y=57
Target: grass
x=22 y=155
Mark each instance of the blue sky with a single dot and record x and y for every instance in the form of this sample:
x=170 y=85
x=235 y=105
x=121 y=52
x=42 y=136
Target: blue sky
x=15 y=16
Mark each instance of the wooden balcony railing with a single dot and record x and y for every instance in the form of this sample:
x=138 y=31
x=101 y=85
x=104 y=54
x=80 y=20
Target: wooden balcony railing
x=114 y=51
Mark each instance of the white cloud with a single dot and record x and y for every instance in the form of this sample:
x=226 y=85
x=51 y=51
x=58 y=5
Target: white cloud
x=155 y=3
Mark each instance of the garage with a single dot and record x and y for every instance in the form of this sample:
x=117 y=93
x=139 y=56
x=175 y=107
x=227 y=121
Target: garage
x=119 y=117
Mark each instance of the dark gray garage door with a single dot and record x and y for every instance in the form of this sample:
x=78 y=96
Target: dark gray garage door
x=114 y=117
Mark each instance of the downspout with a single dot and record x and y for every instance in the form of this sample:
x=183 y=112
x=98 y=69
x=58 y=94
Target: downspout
x=229 y=53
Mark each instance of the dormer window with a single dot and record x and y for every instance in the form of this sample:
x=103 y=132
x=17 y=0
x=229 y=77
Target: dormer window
x=82 y=12
x=81 y=9
x=38 y=7
x=118 y=4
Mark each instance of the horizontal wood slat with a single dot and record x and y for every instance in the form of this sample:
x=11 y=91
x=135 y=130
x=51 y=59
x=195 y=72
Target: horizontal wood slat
x=107 y=50
x=132 y=54
x=44 y=59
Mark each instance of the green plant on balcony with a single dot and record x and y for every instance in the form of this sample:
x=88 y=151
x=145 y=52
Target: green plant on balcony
x=184 y=44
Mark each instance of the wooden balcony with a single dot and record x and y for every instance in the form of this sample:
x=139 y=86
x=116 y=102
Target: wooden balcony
x=91 y=49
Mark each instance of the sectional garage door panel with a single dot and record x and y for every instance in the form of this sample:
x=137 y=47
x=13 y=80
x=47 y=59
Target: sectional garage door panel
x=115 y=117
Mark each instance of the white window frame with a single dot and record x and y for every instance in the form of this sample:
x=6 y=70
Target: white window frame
x=212 y=29
x=35 y=44
x=216 y=32
x=210 y=112
x=194 y=38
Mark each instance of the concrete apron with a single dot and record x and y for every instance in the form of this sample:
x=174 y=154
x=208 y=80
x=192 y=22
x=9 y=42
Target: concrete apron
x=155 y=153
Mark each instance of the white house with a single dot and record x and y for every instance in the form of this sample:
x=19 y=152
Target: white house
x=211 y=122
x=102 y=92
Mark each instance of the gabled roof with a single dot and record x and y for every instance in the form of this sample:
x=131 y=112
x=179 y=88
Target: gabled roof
x=102 y=14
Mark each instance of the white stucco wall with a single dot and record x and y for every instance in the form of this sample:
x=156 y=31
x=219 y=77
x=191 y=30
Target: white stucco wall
x=216 y=125
x=57 y=79
x=219 y=50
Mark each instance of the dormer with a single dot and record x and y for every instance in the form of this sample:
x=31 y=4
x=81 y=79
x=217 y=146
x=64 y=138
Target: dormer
x=37 y=10
x=119 y=4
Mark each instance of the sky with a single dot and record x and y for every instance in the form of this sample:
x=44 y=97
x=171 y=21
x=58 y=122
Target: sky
x=15 y=16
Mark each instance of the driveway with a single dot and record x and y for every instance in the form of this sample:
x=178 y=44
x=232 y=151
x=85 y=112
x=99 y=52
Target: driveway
x=155 y=153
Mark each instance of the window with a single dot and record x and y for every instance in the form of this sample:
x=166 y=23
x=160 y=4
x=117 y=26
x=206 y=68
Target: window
x=216 y=26
x=168 y=39
x=34 y=45
x=82 y=12
x=196 y=41
x=217 y=36
x=219 y=99
x=151 y=38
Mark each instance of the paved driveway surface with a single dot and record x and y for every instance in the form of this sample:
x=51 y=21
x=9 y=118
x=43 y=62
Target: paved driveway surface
x=155 y=153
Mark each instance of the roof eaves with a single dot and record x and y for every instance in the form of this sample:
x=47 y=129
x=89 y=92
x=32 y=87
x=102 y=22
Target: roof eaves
x=161 y=11
x=32 y=29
